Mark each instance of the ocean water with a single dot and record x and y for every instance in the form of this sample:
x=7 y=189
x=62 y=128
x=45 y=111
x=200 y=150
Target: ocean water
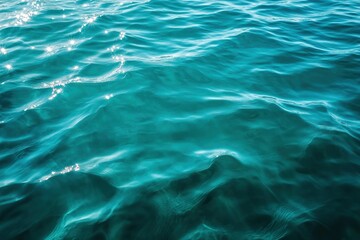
x=186 y=119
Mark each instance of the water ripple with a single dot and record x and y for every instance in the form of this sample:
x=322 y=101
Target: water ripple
x=179 y=120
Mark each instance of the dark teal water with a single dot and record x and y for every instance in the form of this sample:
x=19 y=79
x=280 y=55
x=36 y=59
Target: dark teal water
x=179 y=119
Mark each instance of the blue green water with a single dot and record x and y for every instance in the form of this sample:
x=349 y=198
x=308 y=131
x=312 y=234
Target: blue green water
x=178 y=119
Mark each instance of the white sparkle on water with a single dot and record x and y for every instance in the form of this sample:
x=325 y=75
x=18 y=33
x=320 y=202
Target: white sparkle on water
x=122 y=35
x=73 y=168
x=108 y=96
x=49 y=49
x=3 y=51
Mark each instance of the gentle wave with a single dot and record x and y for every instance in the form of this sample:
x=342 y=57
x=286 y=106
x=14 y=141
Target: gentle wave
x=179 y=120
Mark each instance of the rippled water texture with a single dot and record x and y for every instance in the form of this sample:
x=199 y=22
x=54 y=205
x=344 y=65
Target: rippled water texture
x=182 y=119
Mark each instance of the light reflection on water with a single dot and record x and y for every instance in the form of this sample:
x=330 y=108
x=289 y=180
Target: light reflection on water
x=179 y=120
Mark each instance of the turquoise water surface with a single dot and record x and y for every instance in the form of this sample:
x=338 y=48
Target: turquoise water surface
x=179 y=119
